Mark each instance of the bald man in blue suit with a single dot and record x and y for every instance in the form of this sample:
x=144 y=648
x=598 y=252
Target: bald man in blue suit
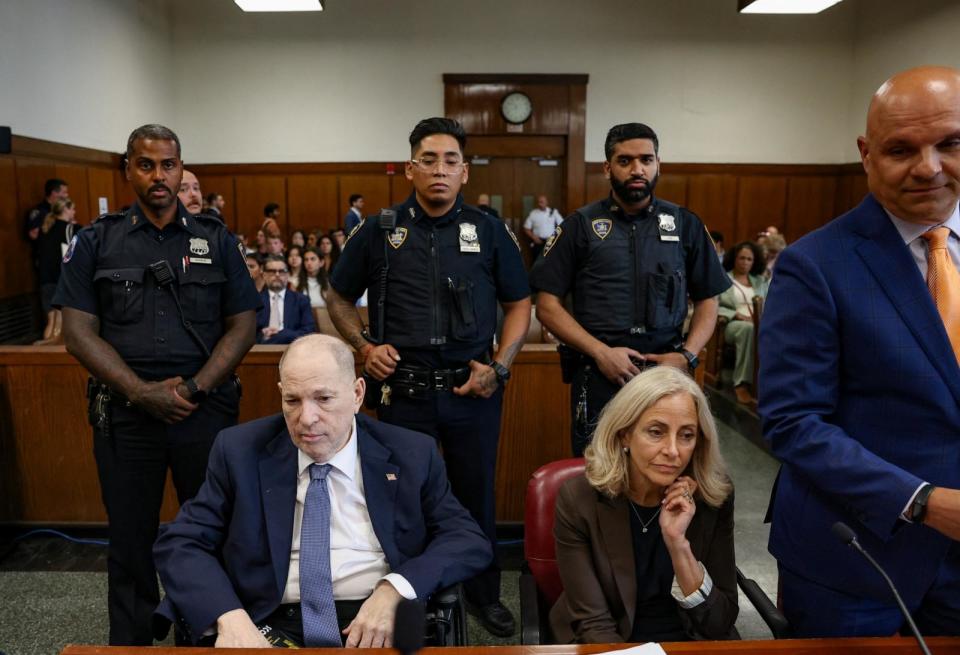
x=860 y=383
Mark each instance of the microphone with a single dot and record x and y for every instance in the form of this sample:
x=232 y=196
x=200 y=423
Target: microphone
x=847 y=536
x=408 y=627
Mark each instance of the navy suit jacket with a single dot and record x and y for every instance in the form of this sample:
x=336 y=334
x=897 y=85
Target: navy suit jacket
x=860 y=400
x=297 y=317
x=229 y=547
x=351 y=220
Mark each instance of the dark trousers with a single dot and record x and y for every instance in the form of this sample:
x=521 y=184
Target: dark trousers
x=817 y=611
x=287 y=622
x=132 y=462
x=590 y=391
x=468 y=431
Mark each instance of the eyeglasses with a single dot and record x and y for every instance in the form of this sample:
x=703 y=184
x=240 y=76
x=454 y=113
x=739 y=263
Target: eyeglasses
x=429 y=164
x=274 y=271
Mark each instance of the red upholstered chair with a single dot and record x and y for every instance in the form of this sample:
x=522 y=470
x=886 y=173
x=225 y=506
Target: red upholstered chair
x=540 y=584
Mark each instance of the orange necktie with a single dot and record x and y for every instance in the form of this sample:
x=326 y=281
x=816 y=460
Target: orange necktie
x=944 y=282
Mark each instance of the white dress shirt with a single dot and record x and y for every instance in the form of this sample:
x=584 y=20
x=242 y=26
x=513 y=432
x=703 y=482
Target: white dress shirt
x=357 y=562
x=543 y=222
x=315 y=293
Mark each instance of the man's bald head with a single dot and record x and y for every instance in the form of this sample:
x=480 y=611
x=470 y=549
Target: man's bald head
x=189 y=192
x=911 y=150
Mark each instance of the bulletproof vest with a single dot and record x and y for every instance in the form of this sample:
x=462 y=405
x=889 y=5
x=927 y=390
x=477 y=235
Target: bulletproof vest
x=139 y=318
x=440 y=289
x=630 y=288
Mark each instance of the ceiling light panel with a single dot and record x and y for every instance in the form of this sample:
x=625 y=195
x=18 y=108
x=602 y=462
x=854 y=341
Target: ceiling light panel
x=280 y=5
x=785 y=6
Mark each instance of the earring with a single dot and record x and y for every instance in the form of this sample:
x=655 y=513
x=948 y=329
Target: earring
x=626 y=450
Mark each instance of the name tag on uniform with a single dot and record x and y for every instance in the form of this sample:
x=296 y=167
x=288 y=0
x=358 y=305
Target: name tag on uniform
x=668 y=227
x=469 y=242
x=200 y=260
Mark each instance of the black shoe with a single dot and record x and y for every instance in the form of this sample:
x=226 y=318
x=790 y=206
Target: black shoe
x=495 y=618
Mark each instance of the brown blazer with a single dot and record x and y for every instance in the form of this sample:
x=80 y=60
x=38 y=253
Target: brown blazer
x=595 y=558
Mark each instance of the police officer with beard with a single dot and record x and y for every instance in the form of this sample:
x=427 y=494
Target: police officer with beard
x=630 y=260
x=159 y=307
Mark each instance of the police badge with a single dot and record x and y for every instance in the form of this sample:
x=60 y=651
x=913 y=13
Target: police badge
x=397 y=237
x=667 y=224
x=199 y=246
x=601 y=227
x=468 y=238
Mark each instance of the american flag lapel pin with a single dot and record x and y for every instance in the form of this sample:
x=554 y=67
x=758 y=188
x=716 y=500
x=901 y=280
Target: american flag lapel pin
x=392 y=477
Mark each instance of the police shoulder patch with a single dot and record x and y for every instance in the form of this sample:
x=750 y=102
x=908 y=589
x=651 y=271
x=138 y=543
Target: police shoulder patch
x=552 y=240
x=601 y=227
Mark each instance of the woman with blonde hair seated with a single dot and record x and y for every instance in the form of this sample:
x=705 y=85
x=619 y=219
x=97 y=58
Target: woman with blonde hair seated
x=645 y=538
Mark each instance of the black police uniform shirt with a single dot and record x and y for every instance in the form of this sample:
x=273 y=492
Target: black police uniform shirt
x=105 y=272
x=445 y=278
x=630 y=275
x=35 y=216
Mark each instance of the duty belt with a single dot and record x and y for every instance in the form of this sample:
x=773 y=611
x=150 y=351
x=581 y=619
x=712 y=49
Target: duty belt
x=408 y=380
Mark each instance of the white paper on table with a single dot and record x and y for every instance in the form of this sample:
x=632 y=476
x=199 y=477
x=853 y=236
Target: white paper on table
x=651 y=648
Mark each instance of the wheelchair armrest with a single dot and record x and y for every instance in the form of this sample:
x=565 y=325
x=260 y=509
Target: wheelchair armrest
x=773 y=617
x=529 y=610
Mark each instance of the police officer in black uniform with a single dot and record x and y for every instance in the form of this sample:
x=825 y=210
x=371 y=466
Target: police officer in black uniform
x=436 y=268
x=630 y=260
x=54 y=189
x=159 y=307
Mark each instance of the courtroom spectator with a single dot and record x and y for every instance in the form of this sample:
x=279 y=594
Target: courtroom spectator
x=483 y=204
x=339 y=238
x=362 y=512
x=271 y=211
x=773 y=245
x=54 y=189
x=215 y=203
x=540 y=224
x=297 y=239
x=329 y=252
x=261 y=248
x=298 y=275
x=56 y=233
x=644 y=539
x=745 y=265
x=275 y=245
x=282 y=316
x=355 y=214
x=255 y=266
x=317 y=278
x=312 y=237
x=718 y=243
x=189 y=193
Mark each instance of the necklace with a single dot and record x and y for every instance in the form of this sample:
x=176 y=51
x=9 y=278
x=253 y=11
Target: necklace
x=652 y=518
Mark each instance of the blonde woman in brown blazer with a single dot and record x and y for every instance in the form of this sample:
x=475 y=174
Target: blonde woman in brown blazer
x=645 y=537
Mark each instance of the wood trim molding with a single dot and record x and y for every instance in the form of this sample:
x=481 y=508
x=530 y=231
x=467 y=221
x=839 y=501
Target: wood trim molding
x=684 y=168
x=25 y=146
x=297 y=168
x=513 y=78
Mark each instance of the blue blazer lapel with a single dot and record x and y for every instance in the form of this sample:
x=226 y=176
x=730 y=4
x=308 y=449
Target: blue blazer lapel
x=278 y=486
x=888 y=259
x=381 y=480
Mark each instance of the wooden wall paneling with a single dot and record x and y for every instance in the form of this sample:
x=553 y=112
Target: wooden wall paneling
x=515 y=145
x=253 y=192
x=375 y=189
x=100 y=185
x=713 y=197
x=32 y=174
x=576 y=148
x=851 y=189
x=223 y=184
x=123 y=190
x=16 y=269
x=597 y=185
x=673 y=188
x=811 y=202
x=761 y=201
x=313 y=201
x=76 y=178
x=477 y=107
x=401 y=188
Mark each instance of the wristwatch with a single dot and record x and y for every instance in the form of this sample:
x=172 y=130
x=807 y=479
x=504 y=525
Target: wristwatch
x=918 y=510
x=692 y=360
x=197 y=395
x=502 y=372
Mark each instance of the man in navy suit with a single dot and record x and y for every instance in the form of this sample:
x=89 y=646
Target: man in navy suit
x=860 y=383
x=232 y=558
x=355 y=214
x=284 y=315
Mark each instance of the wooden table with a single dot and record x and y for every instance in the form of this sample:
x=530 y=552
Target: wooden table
x=885 y=646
